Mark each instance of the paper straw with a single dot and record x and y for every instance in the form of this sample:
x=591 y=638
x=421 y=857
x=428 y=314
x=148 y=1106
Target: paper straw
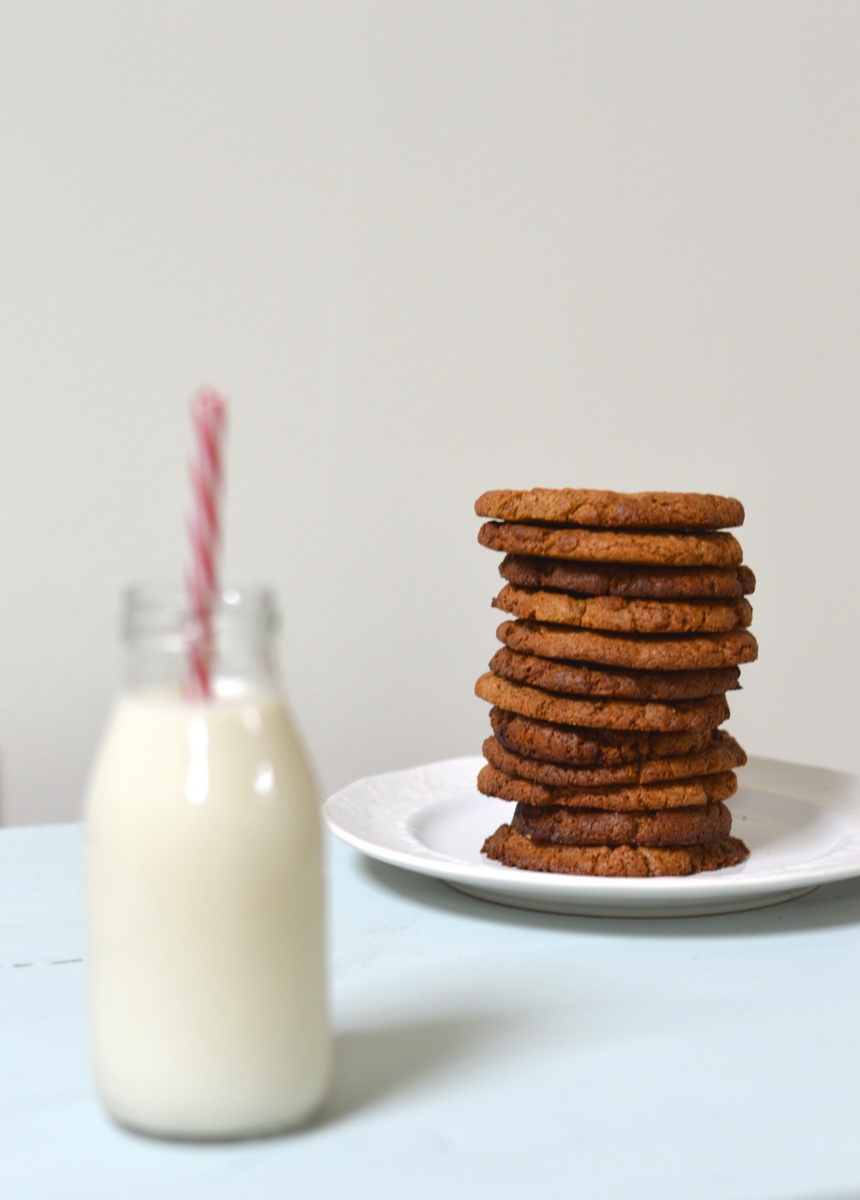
x=208 y=413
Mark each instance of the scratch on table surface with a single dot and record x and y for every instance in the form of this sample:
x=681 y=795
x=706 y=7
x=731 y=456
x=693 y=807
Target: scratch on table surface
x=50 y=962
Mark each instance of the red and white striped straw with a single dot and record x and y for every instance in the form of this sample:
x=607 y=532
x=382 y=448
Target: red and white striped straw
x=209 y=415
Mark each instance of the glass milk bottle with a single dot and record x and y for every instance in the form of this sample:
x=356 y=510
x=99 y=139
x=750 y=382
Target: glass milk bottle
x=204 y=887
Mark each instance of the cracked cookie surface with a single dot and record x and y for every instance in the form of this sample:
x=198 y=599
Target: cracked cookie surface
x=514 y=849
x=596 y=748
x=590 y=506
x=613 y=545
x=600 y=712
x=657 y=653
x=618 y=614
x=591 y=827
x=561 y=675
x=724 y=755
x=613 y=579
x=683 y=793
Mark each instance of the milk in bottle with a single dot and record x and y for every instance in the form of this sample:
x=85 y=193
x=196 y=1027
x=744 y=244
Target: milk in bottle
x=205 y=889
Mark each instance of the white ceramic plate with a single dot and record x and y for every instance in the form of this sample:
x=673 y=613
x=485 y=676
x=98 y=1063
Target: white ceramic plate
x=802 y=825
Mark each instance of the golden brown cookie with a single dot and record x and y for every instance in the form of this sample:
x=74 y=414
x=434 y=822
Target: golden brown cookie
x=514 y=849
x=599 y=713
x=595 y=748
x=692 y=652
x=646 y=583
x=620 y=615
x=613 y=510
x=724 y=755
x=682 y=793
x=591 y=827
x=559 y=675
x=613 y=545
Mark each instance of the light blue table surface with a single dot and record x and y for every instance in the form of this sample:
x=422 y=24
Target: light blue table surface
x=481 y=1051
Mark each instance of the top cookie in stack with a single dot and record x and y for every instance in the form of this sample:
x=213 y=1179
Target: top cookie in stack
x=630 y=625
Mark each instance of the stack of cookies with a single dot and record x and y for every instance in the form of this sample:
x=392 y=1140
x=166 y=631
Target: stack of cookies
x=629 y=626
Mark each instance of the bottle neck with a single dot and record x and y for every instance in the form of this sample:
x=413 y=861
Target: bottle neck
x=160 y=634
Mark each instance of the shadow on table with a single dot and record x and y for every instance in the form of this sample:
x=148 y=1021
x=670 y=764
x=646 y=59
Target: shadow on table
x=852 y=1194
x=831 y=905
x=372 y=1065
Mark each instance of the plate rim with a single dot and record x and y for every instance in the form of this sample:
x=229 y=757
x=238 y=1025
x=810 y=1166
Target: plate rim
x=838 y=792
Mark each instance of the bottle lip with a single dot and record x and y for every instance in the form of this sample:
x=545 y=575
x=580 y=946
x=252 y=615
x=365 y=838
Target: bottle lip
x=164 y=609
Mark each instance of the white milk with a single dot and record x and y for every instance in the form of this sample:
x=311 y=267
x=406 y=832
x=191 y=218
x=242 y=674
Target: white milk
x=205 y=919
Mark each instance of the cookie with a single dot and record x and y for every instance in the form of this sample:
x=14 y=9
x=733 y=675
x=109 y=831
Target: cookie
x=559 y=675
x=614 y=546
x=613 y=510
x=693 y=652
x=599 y=713
x=684 y=793
x=594 y=748
x=590 y=827
x=514 y=849
x=724 y=755
x=620 y=615
x=646 y=583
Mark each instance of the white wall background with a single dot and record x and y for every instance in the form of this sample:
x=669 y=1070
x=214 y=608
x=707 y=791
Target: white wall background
x=426 y=248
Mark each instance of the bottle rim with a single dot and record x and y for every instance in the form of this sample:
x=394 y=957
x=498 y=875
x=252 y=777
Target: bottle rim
x=163 y=609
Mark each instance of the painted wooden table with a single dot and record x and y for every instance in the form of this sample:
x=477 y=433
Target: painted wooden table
x=482 y=1051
